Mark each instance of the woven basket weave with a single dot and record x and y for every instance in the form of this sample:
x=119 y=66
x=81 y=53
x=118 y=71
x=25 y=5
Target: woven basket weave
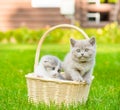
x=58 y=91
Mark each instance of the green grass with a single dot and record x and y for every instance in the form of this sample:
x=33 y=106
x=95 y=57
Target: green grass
x=18 y=60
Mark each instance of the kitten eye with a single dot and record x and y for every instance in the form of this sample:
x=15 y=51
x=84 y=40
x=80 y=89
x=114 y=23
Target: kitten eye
x=78 y=50
x=59 y=70
x=53 y=68
x=86 y=50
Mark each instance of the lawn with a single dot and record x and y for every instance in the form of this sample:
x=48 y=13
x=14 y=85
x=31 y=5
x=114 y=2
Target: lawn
x=18 y=60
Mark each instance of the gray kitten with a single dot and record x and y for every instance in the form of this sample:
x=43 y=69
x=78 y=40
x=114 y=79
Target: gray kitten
x=49 y=67
x=79 y=62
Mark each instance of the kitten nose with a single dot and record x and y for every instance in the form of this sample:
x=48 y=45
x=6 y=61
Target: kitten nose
x=82 y=54
x=54 y=75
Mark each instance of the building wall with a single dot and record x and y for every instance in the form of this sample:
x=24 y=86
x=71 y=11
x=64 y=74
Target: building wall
x=17 y=13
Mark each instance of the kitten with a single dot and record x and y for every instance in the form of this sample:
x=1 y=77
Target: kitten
x=79 y=62
x=49 y=67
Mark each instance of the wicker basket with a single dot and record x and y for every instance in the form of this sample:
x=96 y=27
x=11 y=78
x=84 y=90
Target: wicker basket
x=58 y=91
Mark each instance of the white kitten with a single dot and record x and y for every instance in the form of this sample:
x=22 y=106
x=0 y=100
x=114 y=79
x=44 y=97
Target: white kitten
x=79 y=62
x=49 y=67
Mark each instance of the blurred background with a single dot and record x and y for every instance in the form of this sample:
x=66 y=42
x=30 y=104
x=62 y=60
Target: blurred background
x=25 y=21
x=34 y=15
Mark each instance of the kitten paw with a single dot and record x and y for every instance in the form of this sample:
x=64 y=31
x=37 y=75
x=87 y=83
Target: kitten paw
x=77 y=78
x=88 y=81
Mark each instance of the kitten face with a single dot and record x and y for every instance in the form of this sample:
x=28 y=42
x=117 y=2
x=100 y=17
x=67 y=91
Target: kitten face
x=52 y=66
x=83 y=50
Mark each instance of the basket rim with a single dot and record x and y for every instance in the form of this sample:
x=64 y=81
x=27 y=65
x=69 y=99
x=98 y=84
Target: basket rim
x=56 y=80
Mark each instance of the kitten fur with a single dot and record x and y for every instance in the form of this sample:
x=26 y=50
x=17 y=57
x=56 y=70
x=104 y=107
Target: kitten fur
x=49 y=67
x=79 y=62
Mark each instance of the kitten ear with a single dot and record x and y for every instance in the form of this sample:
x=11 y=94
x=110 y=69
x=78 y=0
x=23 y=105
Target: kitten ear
x=72 y=41
x=92 y=40
x=45 y=61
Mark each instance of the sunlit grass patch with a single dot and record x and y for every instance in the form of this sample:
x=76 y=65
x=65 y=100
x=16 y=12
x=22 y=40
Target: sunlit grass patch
x=18 y=60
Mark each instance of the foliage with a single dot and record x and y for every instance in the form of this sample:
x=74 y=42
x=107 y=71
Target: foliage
x=108 y=34
x=22 y=35
x=18 y=60
x=109 y=1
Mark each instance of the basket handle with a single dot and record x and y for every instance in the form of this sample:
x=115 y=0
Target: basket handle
x=46 y=33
